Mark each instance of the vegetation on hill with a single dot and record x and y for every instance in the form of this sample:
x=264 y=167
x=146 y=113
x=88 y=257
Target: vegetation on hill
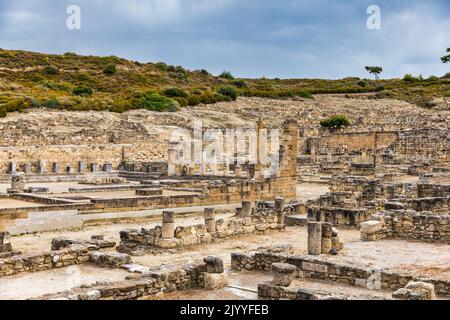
x=335 y=122
x=73 y=82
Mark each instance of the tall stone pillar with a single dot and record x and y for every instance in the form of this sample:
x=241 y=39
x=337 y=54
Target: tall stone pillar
x=168 y=225
x=314 y=238
x=327 y=235
x=279 y=210
x=173 y=147
x=246 y=213
x=210 y=219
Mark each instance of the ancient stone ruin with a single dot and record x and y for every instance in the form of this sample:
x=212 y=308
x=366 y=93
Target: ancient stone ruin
x=334 y=214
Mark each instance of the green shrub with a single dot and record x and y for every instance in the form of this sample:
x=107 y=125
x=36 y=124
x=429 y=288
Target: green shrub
x=335 y=122
x=432 y=78
x=239 y=84
x=82 y=91
x=228 y=91
x=50 y=70
x=161 y=66
x=70 y=55
x=174 y=93
x=226 y=75
x=362 y=83
x=183 y=102
x=55 y=86
x=194 y=100
x=17 y=105
x=155 y=102
x=83 y=76
x=110 y=69
x=303 y=94
x=51 y=103
x=3 y=111
x=446 y=76
x=410 y=78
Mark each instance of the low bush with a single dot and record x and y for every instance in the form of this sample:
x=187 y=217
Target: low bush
x=228 y=91
x=50 y=70
x=226 y=75
x=335 y=122
x=174 y=93
x=82 y=91
x=110 y=69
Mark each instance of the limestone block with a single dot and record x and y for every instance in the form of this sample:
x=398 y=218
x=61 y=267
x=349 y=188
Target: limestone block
x=215 y=281
x=213 y=264
x=283 y=274
x=18 y=182
x=371 y=230
x=109 y=259
x=168 y=230
x=416 y=291
x=167 y=243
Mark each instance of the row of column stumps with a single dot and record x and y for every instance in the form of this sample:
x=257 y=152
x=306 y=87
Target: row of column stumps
x=168 y=218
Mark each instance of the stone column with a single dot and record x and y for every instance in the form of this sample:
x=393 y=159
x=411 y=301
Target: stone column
x=283 y=274
x=327 y=233
x=214 y=278
x=12 y=167
x=81 y=166
x=210 y=219
x=94 y=167
x=279 y=210
x=18 y=182
x=314 y=238
x=168 y=225
x=27 y=168
x=56 y=168
x=246 y=213
x=107 y=167
x=42 y=167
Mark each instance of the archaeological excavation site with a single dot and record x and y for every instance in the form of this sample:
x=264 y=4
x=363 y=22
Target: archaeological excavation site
x=102 y=206
x=224 y=159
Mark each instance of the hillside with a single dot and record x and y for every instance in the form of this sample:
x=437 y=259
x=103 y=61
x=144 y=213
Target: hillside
x=80 y=83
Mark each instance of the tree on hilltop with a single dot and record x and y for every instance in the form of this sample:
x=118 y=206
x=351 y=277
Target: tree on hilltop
x=446 y=59
x=375 y=71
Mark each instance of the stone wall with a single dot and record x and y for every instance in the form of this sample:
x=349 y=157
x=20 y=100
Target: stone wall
x=151 y=240
x=351 y=217
x=408 y=225
x=145 y=286
x=323 y=269
x=39 y=262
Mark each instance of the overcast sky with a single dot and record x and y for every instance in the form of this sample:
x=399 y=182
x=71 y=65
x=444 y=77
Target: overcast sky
x=251 y=38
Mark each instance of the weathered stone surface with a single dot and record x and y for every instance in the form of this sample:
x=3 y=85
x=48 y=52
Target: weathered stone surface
x=107 y=259
x=314 y=238
x=215 y=281
x=416 y=291
x=283 y=274
x=213 y=264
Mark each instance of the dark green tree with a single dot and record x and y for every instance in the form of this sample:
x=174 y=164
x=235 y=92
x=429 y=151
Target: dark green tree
x=446 y=59
x=375 y=71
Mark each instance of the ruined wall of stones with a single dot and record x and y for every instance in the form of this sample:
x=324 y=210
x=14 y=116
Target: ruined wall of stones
x=187 y=277
x=320 y=268
x=185 y=236
x=410 y=226
x=351 y=217
x=46 y=261
x=358 y=140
